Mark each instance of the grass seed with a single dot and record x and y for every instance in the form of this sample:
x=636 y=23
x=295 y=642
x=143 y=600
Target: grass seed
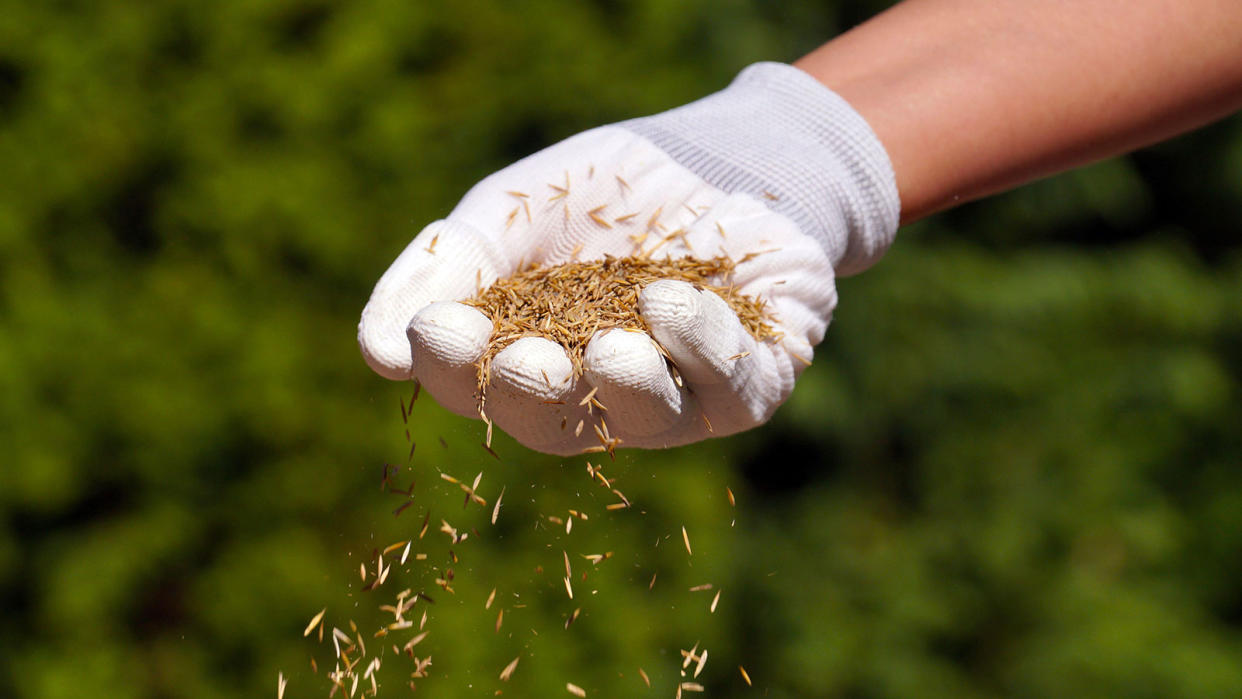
x=568 y=303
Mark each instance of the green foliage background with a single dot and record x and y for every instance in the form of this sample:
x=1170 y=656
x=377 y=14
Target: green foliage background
x=1012 y=471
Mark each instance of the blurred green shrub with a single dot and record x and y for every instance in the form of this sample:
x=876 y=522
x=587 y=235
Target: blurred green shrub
x=1013 y=470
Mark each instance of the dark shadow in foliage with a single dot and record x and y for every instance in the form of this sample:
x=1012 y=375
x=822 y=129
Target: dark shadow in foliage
x=1192 y=191
x=12 y=81
x=129 y=209
x=429 y=52
x=300 y=27
x=258 y=123
x=784 y=461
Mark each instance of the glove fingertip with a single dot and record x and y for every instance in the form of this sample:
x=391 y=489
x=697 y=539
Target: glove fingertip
x=445 y=341
x=633 y=383
x=698 y=329
x=385 y=351
x=533 y=366
x=529 y=389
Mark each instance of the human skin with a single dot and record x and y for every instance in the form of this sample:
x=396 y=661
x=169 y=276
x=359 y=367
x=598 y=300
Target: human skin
x=971 y=97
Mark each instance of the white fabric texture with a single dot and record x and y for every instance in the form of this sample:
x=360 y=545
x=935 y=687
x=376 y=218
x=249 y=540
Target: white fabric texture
x=662 y=185
x=777 y=133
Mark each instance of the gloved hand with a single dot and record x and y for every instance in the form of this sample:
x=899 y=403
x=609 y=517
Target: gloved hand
x=775 y=171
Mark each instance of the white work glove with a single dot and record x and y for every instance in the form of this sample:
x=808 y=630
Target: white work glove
x=775 y=171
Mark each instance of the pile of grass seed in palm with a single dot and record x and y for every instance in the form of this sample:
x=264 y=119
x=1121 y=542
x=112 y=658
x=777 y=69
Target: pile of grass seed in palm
x=569 y=303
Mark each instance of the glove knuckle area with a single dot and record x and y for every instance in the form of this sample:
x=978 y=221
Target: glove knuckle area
x=672 y=305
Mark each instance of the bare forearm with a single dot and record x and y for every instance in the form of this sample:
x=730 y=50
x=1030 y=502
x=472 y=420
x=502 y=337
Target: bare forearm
x=971 y=97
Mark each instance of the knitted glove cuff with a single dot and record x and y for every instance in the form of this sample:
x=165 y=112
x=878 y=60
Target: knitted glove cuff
x=778 y=134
